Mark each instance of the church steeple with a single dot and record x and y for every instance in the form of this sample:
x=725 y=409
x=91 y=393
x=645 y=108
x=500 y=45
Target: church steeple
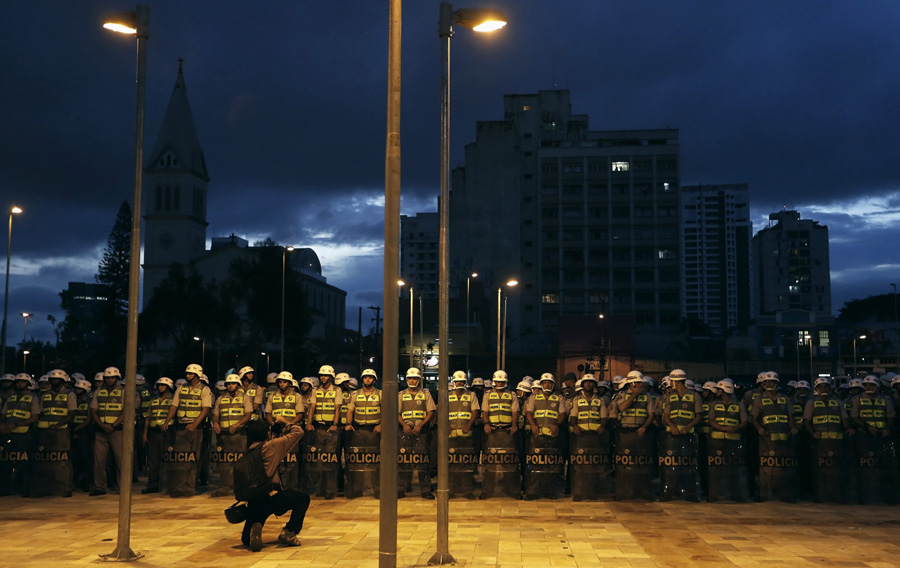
x=175 y=179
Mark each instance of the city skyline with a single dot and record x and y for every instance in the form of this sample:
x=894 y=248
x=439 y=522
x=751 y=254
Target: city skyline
x=792 y=100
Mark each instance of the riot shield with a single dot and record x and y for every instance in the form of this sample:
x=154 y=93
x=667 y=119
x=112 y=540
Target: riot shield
x=363 y=463
x=501 y=466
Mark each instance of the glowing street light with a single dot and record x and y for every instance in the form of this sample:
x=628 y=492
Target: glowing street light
x=14 y=210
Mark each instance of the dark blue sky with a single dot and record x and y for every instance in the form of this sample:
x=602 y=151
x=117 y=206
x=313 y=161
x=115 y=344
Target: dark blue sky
x=797 y=99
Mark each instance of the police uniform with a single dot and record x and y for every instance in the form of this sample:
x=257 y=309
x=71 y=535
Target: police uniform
x=364 y=444
x=875 y=451
x=464 y=458
x=777 y=454
x=184 y=458
x=158 y=440
x=288 y=407
x=20 y=410
x=725 y=462
x=229 y=410
x=589 y=448
x=678 y=468
x=544 y=459
x=107 y=407
x=825 y=418
x=323 y=457
x=414 y=406
x=82 y=452
x=635 y=454
x=51 y=470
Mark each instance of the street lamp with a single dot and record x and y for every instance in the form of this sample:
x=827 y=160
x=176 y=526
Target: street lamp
x=896 y=329
x=12 y=211
x=481 y=20
x=808 y=339
x=266 y=355
x=468 y=281
x=136 y=23
x=501 y=336
x=25 y=317
x=602 y=346
x=25 y=354
x=284 y=252
x=202 y=350
x=401 y=284
x=855 y=370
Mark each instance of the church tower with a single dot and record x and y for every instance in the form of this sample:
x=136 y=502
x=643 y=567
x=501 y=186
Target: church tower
x=175 y=187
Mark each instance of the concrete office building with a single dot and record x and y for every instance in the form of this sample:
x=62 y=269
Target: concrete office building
x=419 y=237
x=586 y=221
x=717 y=268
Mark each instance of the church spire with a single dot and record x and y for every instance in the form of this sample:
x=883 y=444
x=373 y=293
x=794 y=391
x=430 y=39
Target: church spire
x=177 y=145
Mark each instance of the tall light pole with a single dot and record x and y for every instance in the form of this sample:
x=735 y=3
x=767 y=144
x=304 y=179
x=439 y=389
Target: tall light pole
x=387 y=482
x=136 y=23
x=480 y=20
x=202 y=351
x=25 y=317
x=602 y=347
x=808 y=339
x=855 y=370
x=896 y=328
x=468 y=282
x=501 y=335
x=25 y=360
x=266 y=355
x=284 y=252
x=12 y=211
x=401 y=284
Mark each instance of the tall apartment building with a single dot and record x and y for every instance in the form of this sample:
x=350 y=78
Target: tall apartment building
x=716 y=264
x=793 y=267
x=419 y=237
x=586 y=221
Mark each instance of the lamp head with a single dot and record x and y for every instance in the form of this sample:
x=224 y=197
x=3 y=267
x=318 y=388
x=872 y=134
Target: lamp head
x=479 y=19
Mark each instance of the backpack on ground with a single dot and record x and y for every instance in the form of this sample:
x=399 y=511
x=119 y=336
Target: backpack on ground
x=250 y=479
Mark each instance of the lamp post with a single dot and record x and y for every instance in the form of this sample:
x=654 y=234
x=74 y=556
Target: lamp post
x=480 y=20
x=25 y=354
x=136 y=23
x=602 y=346
x=468 y=281
x=25 y=317
x=855 y=370
x=808 y=339
x=202 y=351
x=387 y=481
x=284 y=252
x=266 y=355
x=501 y=335
x=896 y=329
x=12 y=211
x=401 y=284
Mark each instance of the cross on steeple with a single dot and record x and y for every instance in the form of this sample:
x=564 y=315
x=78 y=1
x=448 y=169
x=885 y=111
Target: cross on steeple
x=180 y=63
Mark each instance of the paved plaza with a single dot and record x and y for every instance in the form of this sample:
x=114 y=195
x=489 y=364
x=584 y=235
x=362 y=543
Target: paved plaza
x=496 y=533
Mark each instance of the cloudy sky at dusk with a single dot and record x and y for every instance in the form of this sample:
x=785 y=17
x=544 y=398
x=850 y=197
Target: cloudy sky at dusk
x=798 y=99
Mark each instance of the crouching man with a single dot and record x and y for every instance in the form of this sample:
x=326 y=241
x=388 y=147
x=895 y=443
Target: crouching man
x=275 y=444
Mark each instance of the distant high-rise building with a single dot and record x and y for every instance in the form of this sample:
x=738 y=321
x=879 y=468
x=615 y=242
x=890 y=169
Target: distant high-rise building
x=792 y=265
x=717 y=264
x=586 y=221
x=419 y=236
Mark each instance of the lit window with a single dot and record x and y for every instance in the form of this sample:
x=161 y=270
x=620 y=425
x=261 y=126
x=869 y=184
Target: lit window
x=550 y=299
x=620 y=166
x=526 y=107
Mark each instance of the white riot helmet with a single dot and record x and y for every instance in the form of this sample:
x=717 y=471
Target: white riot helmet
x=603 y=384
x=895 y=381
x=368 y=373
x=803 y=385
x=488 y=384
x=677 y=375
x=294 y=383
x=326 y=370
x=726 y=386
x=285 y=376
x=855 y=384
x=270 y=378
x=180 y=382
x=354 y=384
x=634 y=377
x=311 y=381
x=83 y=384
x=8 y=377
x=870 y=380
x=244 y=371
x=165 y=381
x=232 y=378
x=588 y=377
x=78 y=377
x=500 y=376
x=792 y=384
x=413 y=377
x=220 y=385
x=822 y=381
x=523 y=386
x=761 y=377
x=710 y=386
x=459 y=377
x=548 y=377
x=194 y=368
x=58 y=374
x=477 y=382
x=139 y=380
x=98 y=377
x=112 y=372
x=341 y=378
x=204 y=379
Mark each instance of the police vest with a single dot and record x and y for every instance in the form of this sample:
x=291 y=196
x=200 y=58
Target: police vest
x=872 y=411
x=635 y=415
x=460 y=408
x=145 y=401
x=109 y=404
x=345 y=398
x=826 y=418
x=413 y=407
x=726 y=415
x=774 y=416
x=251 y=392
x=704 y=417
x=367 y=408
x=588 y=417
x=231 y=409
x=82 y=410
x=159 y=411
x=798 y=407
x=189 y=404
x=681 y=409
x=546 y=411
x=499 y=405
x=282 y=405
x=55 y=409
x=325 y=405
x=18 y=409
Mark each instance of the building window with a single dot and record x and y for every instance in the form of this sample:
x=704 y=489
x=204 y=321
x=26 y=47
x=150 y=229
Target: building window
x=620 y=166
x=550 y=298
x=666 y=254
x=824 y=339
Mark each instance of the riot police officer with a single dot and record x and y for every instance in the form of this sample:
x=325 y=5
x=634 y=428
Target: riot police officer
x=589 y=443
x=826 y=421
x=679 y=475
x=546 y=412
x=725 y=452
x=191 y=405
x=156 y=440
x=252 y=391
x=463 y=411
x=21 y=410
x=363 y=431
x=416 y=410
x=51 y=470
x=107 y=412
x=635 y=442
x=323 y=420
x=874 y=415
x=774 y=421
x=230 y=416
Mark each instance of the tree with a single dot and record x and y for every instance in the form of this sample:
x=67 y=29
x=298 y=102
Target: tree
x=183 y=307
x=873 y=308
x=115 y=265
